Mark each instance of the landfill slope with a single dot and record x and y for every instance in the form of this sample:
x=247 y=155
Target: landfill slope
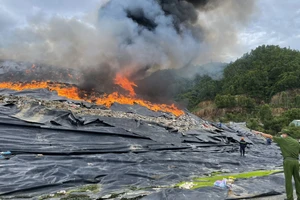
x=58 y=144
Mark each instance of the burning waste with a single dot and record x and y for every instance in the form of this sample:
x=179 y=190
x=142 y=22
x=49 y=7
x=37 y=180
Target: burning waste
x=128 y=39
x=74 y=93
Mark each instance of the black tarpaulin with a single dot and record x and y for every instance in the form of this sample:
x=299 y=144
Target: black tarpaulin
x=181 y=194
x=54 y=150
x=258 y=187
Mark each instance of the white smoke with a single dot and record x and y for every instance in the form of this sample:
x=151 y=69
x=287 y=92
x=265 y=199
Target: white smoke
x=110 y=36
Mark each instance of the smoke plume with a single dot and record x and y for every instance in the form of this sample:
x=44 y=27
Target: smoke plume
x=134 y=37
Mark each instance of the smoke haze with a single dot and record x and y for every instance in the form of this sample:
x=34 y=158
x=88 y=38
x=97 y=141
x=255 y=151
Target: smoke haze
x=131 y=33
x=134 y=37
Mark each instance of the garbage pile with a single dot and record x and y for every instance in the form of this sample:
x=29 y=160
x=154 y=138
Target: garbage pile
x=57 y=144
x=24 y=102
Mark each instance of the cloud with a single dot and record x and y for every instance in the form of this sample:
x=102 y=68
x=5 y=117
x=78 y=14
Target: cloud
x=51 y=6
x=7 y=19
x=276 y=23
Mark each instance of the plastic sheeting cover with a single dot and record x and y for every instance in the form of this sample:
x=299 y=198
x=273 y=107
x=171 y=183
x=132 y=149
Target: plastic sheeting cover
x=57 y=150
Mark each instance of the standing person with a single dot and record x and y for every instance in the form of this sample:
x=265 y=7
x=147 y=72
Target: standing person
x=243 y=145
x=290 y=149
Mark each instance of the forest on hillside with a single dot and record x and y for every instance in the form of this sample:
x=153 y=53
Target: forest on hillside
x=262 y=88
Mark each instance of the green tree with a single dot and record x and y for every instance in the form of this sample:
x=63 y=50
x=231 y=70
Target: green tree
x=245 y=102
x=225 y=101
x=292 y=114
x=276 y=124
x=250 y=82
x=263 y=72
x=297 y=101
x=265 y=113
x=204 y=88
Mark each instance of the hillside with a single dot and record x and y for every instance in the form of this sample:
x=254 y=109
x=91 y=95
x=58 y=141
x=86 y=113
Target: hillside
x=262 y=87
x=263 y=72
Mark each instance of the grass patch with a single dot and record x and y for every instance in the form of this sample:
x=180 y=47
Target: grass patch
x=209 y=181
x=68 y=195
x=76 y=197
x=216 y=173
x=92 y=188
x=49 y=196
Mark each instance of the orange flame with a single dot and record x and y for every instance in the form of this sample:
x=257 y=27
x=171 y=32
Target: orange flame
x=72 y=92
x=125 y=84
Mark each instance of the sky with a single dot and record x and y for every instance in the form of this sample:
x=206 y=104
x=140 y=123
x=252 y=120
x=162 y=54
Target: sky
x=273 y=22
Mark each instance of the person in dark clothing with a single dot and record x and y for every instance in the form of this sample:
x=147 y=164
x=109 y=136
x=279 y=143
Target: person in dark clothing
x=243 y=145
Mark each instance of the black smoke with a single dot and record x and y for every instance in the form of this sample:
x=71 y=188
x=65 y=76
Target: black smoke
x=98 y=80
x=182 y=13
x=138 y=37
x=199 y=3
x=159 y=87
x=138 y=16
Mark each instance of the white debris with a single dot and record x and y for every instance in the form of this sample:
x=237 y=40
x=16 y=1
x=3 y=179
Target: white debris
x=187 y=185
x=182 y=123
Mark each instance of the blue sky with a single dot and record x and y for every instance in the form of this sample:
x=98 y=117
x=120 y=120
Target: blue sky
x=273 y=22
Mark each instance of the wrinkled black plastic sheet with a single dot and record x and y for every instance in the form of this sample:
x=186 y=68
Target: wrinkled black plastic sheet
x=59 y=150
x=182 y=194
x=259 y=187
x=38 y=93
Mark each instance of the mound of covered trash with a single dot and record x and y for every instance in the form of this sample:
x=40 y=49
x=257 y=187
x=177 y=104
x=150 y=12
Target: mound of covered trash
x=54 y=145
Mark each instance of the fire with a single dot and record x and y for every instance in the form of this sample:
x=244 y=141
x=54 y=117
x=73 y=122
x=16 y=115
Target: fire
x=125 y=84
x=108 y=100
x=72 y=92
x=62 y=90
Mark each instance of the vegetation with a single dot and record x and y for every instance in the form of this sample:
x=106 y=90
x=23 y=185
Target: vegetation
x=209 y=181
x=201 y=88
x=262 y=87
x=73 y=194
x=92 y=188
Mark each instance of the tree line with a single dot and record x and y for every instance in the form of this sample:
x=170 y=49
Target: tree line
x=264 y=83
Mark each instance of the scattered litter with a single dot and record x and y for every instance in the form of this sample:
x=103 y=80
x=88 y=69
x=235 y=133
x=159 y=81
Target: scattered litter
x=221 y=184
x=225 y=183
x=5 y=153
x=187 y=185
x=62 y=192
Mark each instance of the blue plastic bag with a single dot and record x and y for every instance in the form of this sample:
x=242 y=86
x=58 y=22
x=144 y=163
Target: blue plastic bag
x=221 y=184
x=5 y=153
